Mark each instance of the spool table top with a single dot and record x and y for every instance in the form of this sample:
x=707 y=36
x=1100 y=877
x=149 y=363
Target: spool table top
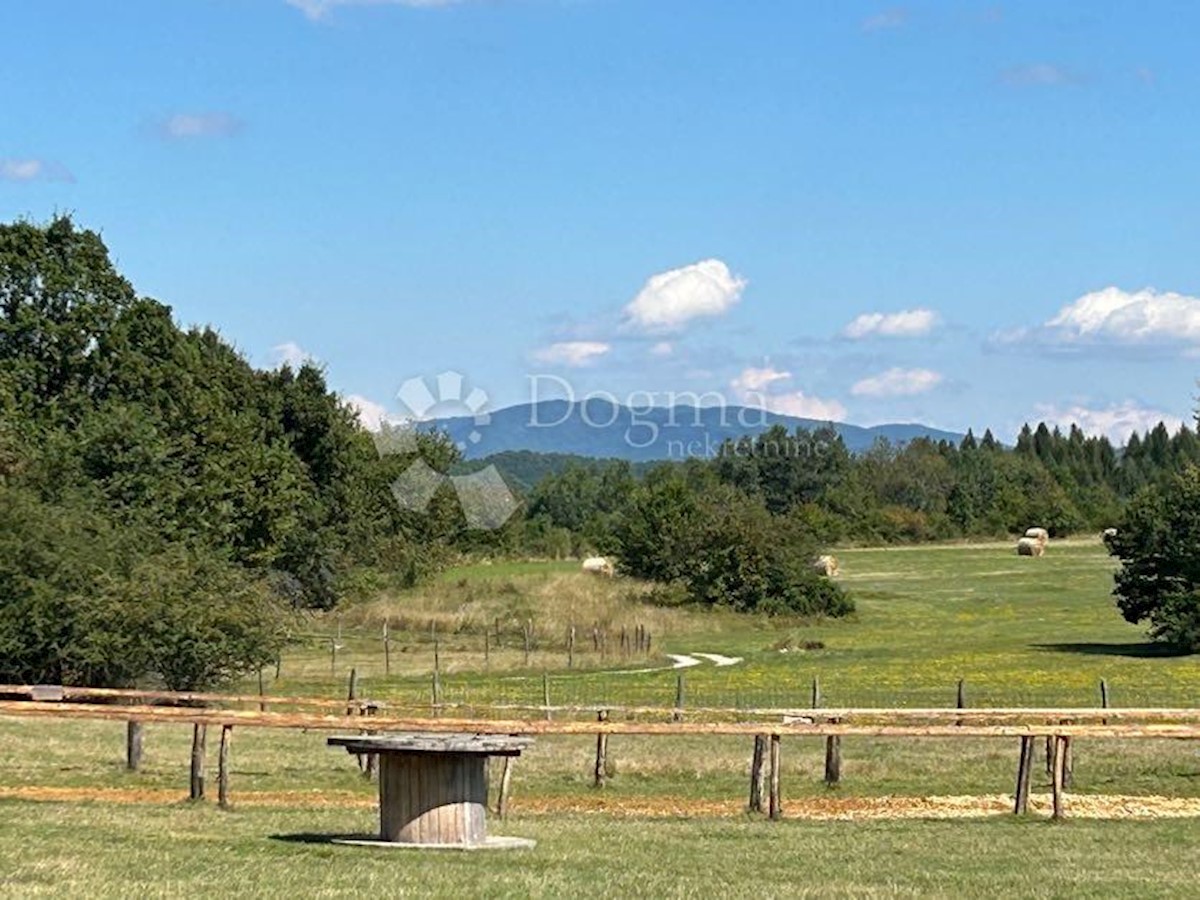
x=434 y=742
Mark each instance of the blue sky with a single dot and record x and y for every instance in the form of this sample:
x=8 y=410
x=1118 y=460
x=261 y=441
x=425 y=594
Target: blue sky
x=967 y=214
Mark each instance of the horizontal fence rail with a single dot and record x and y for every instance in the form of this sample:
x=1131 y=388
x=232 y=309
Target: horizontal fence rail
x=1059 y=727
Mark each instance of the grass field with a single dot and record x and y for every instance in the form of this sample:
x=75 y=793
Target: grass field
x=1029 y=631
x=1019 y=630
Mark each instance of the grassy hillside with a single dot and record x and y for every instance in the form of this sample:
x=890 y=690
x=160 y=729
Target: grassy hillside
x=1019 y=630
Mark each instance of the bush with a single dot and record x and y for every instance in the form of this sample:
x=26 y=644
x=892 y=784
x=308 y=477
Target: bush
x=724 y=549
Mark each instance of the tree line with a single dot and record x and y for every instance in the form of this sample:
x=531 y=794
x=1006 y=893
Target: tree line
x=165 y=507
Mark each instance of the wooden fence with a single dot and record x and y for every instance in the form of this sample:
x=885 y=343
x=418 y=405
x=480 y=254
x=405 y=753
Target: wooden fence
x=1058 y=727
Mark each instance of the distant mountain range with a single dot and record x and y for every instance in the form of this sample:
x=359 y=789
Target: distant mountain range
x=600 y=429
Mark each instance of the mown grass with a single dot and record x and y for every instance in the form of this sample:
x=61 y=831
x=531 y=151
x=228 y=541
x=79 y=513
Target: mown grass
x=100 y=850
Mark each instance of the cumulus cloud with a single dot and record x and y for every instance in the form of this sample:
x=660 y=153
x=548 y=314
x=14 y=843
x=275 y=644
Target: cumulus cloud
x=896 y=17
x=670 y=300
x=189 y=126
x=757 y=380
x=1038 y=75
x=1113 y=317
x=662 y=348
x=572 y=353
x=753 y=387
x=906 y=323
x=33 y=170
x=290 y=354
x=372 y=415
x=897 y=382
x=318 y=9
x=1116 y=422
x=804 y=406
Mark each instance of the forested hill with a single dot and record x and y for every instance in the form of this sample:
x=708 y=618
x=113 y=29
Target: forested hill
x=601 y=429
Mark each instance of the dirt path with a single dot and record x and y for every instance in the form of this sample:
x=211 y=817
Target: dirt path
x=1086 y=806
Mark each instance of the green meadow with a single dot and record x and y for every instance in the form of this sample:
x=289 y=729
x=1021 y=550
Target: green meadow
x=1018 y=631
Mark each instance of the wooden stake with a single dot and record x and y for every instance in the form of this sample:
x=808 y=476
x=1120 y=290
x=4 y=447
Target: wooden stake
x=133 y=745
x=833 y=759
x=196 y=788
x=600 y=773
x=1060 y=756
x=352 y=693
x=1103 y=698
x=546 y=694
x=223 y=767
x=816 y=693
x=387 y=649
x=758 y=774
x=961 y=700
x=677 y=715
x=505 y=788
x=487 y=650
x=775 y=801
x=1024 y=765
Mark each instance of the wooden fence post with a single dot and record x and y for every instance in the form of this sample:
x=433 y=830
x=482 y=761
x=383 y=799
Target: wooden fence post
x=776 y=801
x=196 y=786
x=133 y=745
x=262 y=706
x=505 y=788
x=960 y=700
x=487 y=650
x=1060 y=758
x=387 y=649
x=677 y=715
x=546 y=694
x=833 y=757
x=223 y=767
x=758 y=774
x=1024 y=764
x=601 y=770
x=372 y=758
x=816 y=692
x=352 y=692
x=1103 y=698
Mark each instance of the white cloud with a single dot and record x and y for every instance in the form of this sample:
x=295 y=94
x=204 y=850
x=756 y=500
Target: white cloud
x=804 y=406
x=33 y=170
x=187 y=126
x=906 y=323
x=290 y=354
x=1117 y=422
x=896 y=17
x=662 y=348
x=670 y=300
x=1113 y=317
x=572 y=353
x=752 y=387
x=1038 y=75
x=372 y=415
x=318 y=9
x=753 y=379
x=897 y=382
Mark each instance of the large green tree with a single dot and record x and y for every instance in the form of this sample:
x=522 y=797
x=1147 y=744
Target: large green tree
x=1158 y=543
